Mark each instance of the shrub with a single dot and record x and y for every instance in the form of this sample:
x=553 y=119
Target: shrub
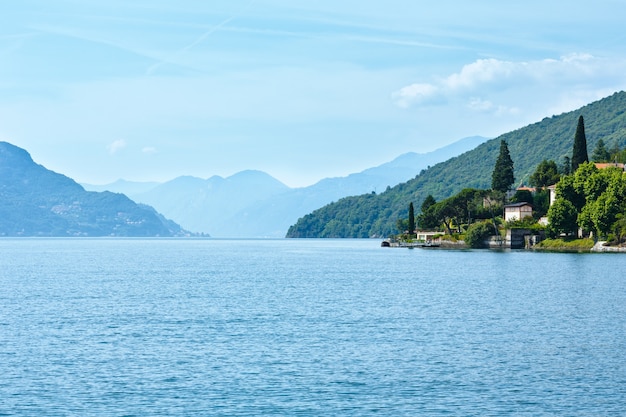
x=565 y=245
x=478 y=233
x=527 y=222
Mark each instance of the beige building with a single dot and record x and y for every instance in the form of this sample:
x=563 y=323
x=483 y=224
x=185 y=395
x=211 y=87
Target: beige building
x=426 y=236
x=517 y=211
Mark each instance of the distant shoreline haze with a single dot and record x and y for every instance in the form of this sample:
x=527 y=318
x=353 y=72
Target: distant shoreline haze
x=254 y=204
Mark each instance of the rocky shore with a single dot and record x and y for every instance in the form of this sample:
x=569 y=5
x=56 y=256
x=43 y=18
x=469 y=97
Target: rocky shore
x=599 y=247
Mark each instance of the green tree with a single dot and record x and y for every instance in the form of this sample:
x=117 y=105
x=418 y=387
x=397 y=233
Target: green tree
x=598 y=195
x=522 y=196
x=619 y=227
x=402 y=225
x=541 y=203
x=428 y=201
x=601 y=153
x=457 y=210
x=427 y=219
x=607 y=209
x=562 y=216
x=502 y=177
x=478 y=233
x=579 y=154
x=567 y=190
x=411 y=218
x=467 y=202
x=445 y=212
x=586 y=219
x=589 y=182
x=546 y=173
x=604 y=212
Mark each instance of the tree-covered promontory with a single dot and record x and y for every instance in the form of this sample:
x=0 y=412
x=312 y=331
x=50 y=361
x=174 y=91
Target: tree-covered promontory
x=503 y=175
x=35 y=201
x=375 y=215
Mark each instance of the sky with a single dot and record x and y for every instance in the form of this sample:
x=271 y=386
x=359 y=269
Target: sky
x=149 y=90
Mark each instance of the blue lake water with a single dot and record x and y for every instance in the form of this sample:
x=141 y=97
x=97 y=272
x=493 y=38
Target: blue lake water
x=132 y=327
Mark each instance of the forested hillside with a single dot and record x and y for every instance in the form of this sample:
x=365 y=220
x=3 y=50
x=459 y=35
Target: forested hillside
x=35 y=201
x=552 y=138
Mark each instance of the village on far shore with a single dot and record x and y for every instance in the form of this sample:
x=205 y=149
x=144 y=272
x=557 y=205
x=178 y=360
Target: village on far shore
x=579 y=206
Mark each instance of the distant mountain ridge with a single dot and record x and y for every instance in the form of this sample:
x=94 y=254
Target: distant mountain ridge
x=254 y=204
x=35 y=201
x=551 y=138
x=213 y=205
x=124 y=187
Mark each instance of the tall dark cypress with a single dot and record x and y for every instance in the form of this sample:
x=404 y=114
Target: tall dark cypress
x=502 y=177
x=411 y=218
x=579 y=154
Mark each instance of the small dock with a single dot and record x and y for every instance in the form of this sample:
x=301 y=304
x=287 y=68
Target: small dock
x=388 y=243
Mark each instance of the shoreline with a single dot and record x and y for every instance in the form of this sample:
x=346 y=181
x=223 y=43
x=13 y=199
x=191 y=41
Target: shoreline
x=598 y=247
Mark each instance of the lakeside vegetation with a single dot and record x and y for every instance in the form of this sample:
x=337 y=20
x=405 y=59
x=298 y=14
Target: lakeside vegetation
x=566 y=245
x=588 y=204
x=376 y=214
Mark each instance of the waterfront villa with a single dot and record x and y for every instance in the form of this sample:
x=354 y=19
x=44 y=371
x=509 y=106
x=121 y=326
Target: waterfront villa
x=517 y=211
x=427 y=236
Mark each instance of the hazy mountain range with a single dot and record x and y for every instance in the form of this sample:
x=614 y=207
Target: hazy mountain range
x=254 y=204
x=35 y=201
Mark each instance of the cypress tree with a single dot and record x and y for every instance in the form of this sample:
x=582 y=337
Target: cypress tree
x=427 y=218
x=579 y=154
x=411 y=218
x=502 y=177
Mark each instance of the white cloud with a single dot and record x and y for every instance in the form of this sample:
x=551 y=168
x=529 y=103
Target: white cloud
x=415 y=94
x=486 y=106
x=471 y=77
x=481 y=72
x=490 y=77
x=116 y=146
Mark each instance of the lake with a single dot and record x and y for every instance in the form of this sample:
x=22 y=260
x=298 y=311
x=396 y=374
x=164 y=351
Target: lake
x=200 y=327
